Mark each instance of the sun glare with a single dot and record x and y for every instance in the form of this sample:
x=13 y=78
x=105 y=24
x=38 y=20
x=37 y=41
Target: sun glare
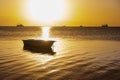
x=45 y=33
x=46 y=12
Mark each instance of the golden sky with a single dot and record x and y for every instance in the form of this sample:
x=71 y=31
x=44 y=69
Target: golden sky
x=80 y=12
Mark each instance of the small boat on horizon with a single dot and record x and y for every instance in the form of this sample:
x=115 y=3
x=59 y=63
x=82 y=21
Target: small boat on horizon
x=105 y=25
x=20 y=25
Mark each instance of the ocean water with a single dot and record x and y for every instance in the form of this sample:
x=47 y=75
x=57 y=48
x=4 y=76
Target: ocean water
x=81 y=54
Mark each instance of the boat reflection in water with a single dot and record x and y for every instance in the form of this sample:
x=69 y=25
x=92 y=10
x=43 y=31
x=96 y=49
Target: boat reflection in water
x=39 y=46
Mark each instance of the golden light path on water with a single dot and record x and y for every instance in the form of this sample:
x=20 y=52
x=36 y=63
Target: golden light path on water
x=45 y=33
x=46 y=36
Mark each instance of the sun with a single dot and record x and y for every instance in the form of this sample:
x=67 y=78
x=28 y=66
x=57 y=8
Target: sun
x=46 y=12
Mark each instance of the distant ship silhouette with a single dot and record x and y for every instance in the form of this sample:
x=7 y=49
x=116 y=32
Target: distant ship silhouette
x=105 y=25
x=20 y=25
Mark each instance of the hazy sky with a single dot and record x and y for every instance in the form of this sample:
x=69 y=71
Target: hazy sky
x=82 y=12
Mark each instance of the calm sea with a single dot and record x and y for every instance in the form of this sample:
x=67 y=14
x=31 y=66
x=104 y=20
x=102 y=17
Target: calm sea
x=81 y=54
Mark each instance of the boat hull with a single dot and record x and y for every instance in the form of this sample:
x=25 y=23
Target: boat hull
x=38 y=45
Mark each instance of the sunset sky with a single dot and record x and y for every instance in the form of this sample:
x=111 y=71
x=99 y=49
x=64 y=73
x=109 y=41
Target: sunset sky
x=72 y=12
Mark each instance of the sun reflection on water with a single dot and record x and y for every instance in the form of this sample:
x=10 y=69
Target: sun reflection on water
x=57 y=47
x=45 y=33
x=42 y=58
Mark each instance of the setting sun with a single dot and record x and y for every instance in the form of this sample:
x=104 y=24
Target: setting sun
x=46 y=12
